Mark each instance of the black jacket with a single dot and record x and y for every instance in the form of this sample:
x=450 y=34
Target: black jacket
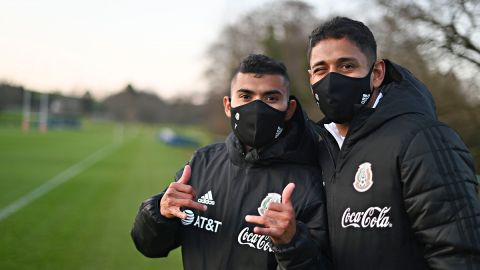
x=233 y=185
x=401 y=193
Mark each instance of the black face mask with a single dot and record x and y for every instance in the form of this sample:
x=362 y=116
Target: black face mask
x=256 y=124
x=337 y=95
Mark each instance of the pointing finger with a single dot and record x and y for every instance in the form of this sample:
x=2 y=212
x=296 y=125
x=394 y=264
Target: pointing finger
x=176 y=212
x=175 y=186
x=192 y=204
x=255 y=219
x=180 y=195
x=272 y=232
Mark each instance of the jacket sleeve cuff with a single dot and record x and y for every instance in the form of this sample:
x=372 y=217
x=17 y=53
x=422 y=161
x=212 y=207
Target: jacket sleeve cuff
x=299 y=251
x=151 y=207
x=154 y=235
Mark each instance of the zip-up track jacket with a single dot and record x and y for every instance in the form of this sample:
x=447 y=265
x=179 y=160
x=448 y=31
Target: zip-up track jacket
x=233 y=184
x=401 y=193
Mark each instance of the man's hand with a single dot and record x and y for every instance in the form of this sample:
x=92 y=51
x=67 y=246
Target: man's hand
x=279 y=219
x=179 y=194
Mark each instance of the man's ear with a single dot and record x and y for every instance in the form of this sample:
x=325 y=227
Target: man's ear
x=378 y=74
x=227 y=106
x=292 y=106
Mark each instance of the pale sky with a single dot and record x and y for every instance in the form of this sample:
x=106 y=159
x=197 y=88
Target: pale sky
x=101 y=45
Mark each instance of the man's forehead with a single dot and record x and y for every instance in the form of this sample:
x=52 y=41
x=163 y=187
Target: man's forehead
x=333 y=50
x=257 y=77
x=259 y=82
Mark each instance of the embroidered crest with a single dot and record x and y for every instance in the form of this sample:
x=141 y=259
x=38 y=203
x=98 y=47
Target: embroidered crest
x=271 y=197
x=363 y=177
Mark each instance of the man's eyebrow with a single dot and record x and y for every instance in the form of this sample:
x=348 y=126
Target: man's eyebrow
x=339 y=60
x=272 y=92
x=269 y=92
x=244 y=90
x=319 y=63
x=347 y=59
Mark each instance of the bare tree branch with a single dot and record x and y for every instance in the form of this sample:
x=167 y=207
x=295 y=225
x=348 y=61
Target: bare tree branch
x=449 y=30
x=468 y=12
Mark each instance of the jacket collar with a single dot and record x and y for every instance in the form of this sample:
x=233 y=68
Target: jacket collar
x=294 y=146
x=402 y=93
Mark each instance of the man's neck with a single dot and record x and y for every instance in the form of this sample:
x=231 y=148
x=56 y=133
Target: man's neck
x=342 y=129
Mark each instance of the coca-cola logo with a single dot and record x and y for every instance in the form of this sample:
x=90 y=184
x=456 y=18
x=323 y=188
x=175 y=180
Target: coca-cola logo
x=253 y=240
x=373 y=217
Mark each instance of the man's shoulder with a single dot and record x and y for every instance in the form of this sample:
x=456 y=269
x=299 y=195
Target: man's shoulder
x=212 y=147
x=418 y=130
x=412 y=123
x=210 y=151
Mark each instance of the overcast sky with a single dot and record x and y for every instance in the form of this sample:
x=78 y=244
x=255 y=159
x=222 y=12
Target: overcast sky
x=102 y=45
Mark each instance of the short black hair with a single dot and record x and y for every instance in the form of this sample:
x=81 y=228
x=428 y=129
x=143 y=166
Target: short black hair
x=262 y=65
x=343 y=27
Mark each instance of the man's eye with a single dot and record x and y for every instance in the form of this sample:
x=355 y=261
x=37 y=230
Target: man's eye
x=244 y=96
x=347 y=66
x=319 y=70
x=272 y=99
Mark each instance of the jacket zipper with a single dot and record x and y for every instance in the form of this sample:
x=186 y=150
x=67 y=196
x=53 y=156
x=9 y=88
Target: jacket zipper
x=330 y=194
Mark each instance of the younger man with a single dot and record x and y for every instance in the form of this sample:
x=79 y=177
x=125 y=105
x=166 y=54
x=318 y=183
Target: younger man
x=264 y=174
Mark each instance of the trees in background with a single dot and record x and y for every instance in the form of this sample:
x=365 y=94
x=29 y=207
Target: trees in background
x=279 y=29
x=128 y=105
x=437 y=41
x=133 y=105
x=450 y=28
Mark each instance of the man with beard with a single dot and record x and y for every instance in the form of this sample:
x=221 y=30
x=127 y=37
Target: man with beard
x=253 y=202
x=400 y=185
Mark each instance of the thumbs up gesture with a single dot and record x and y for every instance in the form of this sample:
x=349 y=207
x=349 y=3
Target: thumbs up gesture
x=179 y=194
x=278 y=220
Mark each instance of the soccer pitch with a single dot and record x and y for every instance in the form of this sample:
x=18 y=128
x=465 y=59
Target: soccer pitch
x=81 y=191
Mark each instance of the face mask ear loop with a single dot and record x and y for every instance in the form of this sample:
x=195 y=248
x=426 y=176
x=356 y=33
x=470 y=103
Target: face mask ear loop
x=371 y=90
x=369 y=75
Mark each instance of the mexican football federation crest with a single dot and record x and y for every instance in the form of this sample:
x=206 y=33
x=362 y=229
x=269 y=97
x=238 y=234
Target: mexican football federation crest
x=363 y=177
x=271 y=197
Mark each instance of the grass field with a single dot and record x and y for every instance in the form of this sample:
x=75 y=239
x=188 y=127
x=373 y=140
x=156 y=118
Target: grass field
x=83 y=223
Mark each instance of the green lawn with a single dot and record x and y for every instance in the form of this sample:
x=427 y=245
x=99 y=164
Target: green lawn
x=85 y=222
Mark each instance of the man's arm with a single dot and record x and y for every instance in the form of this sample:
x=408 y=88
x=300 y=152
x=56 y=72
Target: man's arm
x=297 y=245
x=156 y=227
x=440 y=197
x=154 y=235
x=309 y=248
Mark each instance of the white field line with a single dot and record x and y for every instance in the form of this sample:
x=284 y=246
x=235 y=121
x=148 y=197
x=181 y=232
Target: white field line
x=56 y=181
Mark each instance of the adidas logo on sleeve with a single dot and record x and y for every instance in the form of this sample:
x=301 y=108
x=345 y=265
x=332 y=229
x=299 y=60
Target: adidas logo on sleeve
x=207 y=198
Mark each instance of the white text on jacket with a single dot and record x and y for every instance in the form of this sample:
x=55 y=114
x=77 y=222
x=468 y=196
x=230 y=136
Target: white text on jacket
x=201 y=222
x=253 y=240
x=373 y=217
